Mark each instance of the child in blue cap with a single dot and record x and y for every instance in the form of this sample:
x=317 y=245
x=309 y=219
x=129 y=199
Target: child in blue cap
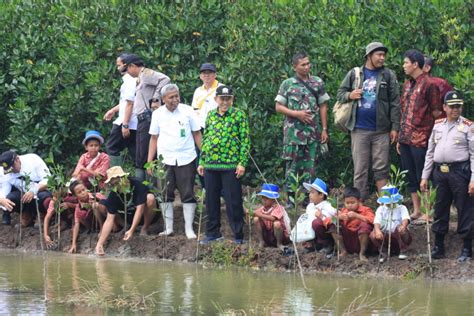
x=271 y=222
x=322 y=212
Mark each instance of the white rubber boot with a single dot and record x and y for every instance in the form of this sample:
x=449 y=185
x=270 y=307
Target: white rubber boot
x=188 y=214
x=167 y=209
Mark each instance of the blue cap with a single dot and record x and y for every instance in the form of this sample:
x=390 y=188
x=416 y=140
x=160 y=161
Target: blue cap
x=270 y=191
x=319 y=185
x=389 y=195
x=93 y=135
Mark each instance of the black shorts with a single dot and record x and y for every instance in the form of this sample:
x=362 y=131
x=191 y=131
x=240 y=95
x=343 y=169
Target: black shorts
x=116 y=143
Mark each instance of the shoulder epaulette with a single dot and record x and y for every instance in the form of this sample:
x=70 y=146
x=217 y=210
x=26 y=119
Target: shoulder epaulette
x=467 y=122
x=441 y=120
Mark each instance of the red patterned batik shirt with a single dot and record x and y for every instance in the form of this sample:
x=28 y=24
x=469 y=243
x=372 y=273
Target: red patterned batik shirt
x=419 y=99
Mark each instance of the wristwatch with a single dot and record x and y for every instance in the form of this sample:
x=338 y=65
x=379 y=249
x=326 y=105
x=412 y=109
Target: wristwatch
x=125 y=126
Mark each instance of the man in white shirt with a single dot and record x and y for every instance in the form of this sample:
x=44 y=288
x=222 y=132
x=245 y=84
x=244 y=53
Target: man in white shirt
x=204 y=96
x=22 y=180
x=123 y=133
x=175 y=131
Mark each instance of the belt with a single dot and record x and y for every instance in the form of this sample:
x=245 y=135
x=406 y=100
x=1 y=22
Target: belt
x=450 y=166
x=144 y=116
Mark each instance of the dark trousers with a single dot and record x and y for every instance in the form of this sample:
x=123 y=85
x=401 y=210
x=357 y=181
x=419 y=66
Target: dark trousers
x=143 y=140
x=453 y=187
x=181 y=177
x=215 y=182
x=44 y=197
x=413 y=160
x=116 y=143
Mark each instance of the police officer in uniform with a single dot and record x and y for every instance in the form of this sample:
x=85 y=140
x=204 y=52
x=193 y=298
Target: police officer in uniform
x=147 y=99
x=450 y=157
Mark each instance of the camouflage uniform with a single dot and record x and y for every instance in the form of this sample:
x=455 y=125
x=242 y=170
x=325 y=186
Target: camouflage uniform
x=301 y=142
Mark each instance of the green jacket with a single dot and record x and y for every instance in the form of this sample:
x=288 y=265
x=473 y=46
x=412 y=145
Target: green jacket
x=226 y=141
x=388 y=99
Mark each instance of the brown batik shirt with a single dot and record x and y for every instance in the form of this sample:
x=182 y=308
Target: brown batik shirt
x=419 y=99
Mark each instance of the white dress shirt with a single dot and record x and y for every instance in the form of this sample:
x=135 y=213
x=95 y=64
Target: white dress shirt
x=325 y=207
x=32 y=166
x=208 y=104
x=127 y=93
x=174 y=130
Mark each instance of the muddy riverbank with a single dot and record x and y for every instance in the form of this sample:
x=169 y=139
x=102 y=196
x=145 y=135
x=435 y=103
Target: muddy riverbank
x=178 y=248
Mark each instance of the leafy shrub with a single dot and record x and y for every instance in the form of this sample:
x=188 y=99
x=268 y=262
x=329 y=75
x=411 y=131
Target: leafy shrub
x=58 y=77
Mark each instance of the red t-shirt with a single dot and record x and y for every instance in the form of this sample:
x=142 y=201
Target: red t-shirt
x=353 y=223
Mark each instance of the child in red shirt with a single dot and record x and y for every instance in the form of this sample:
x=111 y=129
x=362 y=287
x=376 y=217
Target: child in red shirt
x=357 y=223
x=271 y=221
x=86 y=209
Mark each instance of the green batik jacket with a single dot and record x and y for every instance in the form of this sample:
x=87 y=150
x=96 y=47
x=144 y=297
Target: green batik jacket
x=226 y=141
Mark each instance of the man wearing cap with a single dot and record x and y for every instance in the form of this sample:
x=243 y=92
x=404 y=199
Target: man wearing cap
x=442 y=84
x=175 y=131
x=204 y=96
x=450 y=157
x=24 y=179
x=375 y=117
x=224 y=155
x=125 y=188
x=123 y=133
x=420 y=105
x=303 y=101
x=147 y=99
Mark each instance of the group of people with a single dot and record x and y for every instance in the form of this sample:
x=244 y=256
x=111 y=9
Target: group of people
x=210 y=139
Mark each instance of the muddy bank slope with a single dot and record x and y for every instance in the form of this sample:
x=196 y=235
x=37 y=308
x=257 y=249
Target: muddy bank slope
x=178 y=248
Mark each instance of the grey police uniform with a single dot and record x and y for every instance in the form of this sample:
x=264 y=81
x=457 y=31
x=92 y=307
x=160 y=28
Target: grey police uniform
x=149 y=85
x=450 y=156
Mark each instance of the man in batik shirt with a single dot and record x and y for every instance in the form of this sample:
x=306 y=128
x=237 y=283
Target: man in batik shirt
x=421 y=104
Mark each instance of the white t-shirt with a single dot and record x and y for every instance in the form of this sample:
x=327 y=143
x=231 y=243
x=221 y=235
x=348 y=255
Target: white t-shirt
x=127 y=93
x=32 y=166
x=174 y=130
x=326 y=209
x=382 y=217
x=208 y=105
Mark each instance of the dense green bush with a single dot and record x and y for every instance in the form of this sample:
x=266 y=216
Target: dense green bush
x=57 y=60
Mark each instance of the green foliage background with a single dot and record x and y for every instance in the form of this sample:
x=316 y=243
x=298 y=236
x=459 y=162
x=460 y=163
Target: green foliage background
x=58 y=78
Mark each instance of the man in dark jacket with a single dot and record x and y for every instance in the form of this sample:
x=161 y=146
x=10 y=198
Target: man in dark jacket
x=375 y=117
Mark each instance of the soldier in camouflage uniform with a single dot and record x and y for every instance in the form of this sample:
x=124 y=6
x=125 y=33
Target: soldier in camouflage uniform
x=303 y=101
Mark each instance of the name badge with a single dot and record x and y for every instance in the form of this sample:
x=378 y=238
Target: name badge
x=183 y=132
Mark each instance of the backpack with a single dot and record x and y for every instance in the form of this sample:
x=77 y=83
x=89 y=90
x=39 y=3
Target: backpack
x=342 y=111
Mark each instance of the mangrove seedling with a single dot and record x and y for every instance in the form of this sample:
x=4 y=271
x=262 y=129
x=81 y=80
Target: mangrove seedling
x=200 y=196
x=57 y=184
x=250 y=200
x=427 y=201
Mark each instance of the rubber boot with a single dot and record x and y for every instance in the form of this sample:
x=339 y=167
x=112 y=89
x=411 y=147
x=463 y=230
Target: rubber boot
x=188 y=213
x=167 y=209
x=140 y=174
x=115 y=161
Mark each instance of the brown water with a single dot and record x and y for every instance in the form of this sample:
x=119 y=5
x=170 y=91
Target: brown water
x=44 y=284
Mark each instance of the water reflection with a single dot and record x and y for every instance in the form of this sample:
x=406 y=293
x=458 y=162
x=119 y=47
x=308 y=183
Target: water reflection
x=41 y=284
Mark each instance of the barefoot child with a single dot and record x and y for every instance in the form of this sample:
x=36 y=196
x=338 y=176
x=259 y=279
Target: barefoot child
x=135 y=191
x=322 y=212
x=400 y=236
x=85 y=211
x=269 y=220
x=92 y=164
x=356 y=225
